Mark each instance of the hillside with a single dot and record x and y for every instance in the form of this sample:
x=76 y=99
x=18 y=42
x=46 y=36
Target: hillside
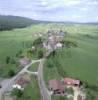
x=11 y=22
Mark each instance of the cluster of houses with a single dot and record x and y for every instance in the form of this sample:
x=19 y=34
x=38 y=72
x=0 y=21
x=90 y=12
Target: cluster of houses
x=58 y=86
x=54 y=40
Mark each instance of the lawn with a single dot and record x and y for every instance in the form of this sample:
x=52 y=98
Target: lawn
x=59 y=98
x=34 y=67
x=32 y=90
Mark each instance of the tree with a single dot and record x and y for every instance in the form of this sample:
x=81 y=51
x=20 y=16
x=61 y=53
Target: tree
x=16 y=92
x=8 y=60
x=37 y=42
x=40 y=53
x=11 y=73
x=13 y=61
x=49 y=63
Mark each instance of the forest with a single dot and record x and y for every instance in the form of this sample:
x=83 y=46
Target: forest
x=11 y=22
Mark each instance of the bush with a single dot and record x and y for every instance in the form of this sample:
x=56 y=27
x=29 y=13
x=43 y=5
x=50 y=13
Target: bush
x=11 y=73
x=13 y=61
x=69 y=44
x=40 y=53
x=8 y=60
x=37 y=42
x=19 y=53
x=49 y=63
x=16 y=92
x=29 y=53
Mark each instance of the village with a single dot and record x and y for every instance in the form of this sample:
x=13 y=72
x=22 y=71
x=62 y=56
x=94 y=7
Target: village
x=48 y=49
x=65 y=87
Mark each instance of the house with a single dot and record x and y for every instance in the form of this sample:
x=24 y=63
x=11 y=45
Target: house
x=59 y=45
x=56 y=86
x=22 y=81
x=20 y=84
x=61 y=33
x=70 y=81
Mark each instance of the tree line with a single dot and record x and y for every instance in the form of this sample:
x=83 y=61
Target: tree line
x=11 y=22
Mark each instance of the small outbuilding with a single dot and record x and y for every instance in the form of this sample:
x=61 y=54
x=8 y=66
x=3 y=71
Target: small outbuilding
x=24 y=61
x=59 y=45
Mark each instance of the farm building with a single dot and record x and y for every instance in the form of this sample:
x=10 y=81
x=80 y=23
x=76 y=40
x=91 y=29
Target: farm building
x=56 y=86
x=70 y=81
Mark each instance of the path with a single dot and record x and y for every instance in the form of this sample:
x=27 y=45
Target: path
x=77 y=92
x=7 y=84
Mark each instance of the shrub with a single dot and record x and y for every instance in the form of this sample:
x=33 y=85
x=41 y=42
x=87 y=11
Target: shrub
x=11 y=73
x=19 y=53
x=40 y=53
x=37 y=42
x=8 y=60
x=16 y=92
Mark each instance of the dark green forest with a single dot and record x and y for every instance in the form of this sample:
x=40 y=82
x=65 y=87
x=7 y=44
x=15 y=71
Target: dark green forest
x=11 y=22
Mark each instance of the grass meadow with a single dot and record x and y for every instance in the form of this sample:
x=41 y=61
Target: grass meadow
x=79 y=62
x=14 y=41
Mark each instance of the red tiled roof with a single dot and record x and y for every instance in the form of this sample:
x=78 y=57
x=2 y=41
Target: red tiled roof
x=71 y=81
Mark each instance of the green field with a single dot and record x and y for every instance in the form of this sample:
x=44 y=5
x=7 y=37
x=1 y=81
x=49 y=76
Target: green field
x=80 y=62
x=11 y=42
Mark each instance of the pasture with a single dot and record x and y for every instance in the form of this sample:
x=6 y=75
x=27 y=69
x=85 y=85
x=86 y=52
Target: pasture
x=14 y=41
x=79 y=62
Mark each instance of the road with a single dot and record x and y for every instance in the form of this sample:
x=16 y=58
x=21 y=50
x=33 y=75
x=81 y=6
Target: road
x=44 y=91
x=7 y=84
